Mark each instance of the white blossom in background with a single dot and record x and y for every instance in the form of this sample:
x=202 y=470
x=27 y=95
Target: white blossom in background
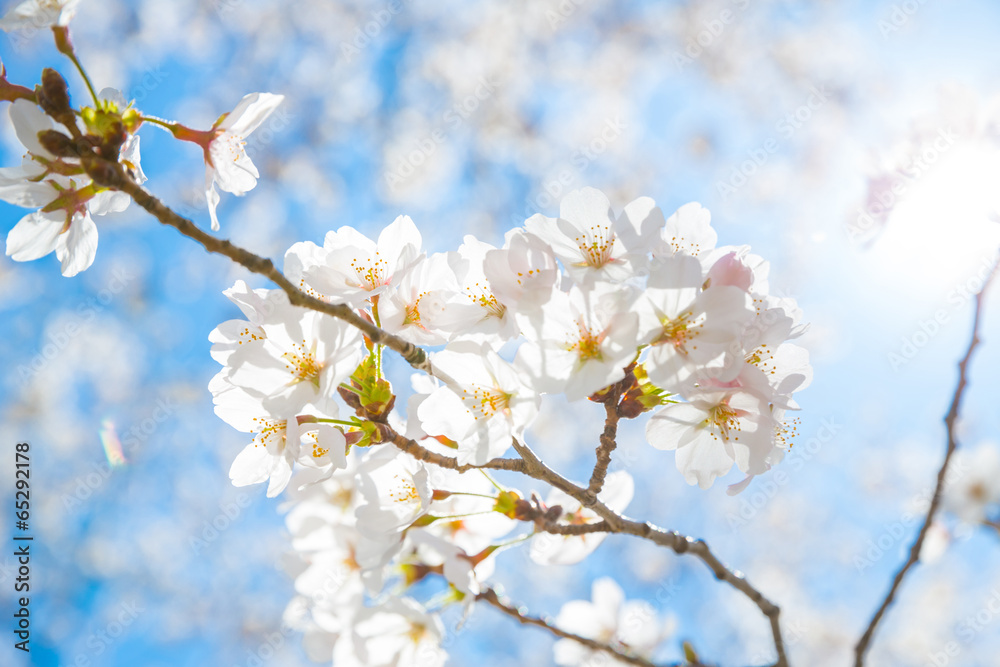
x=630 y=626
x=972 y=492
x=34 y=14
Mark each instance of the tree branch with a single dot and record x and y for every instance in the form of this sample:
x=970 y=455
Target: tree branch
x=414 y=355
x=608 y=443
x=489 y=595
x=673 y=540
x=421 y=453
x=950 y=420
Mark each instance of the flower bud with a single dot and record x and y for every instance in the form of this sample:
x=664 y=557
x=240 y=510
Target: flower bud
x=53 y=97
x=58 y=144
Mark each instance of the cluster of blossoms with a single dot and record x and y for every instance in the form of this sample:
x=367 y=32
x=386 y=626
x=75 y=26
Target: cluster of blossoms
x=63 y=174
x=639 y=310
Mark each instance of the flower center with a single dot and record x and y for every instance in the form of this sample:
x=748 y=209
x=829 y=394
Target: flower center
x=724 y=418
x=587 y=343
x=269 y=431
x=302 y=364
x=404 y=491
x=678 y=332
x=596 y=246
x=371 y=272
x=485 y=402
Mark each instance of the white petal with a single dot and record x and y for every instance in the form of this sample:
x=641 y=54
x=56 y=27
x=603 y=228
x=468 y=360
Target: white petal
x=76 y=249
x=36 y=235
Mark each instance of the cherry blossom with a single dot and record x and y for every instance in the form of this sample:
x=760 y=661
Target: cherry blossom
x=226 y=160
x=351 y=268
x=581 y=341
x=630 y=626
x=39 y=14
x=486 y=404
x=583 y=237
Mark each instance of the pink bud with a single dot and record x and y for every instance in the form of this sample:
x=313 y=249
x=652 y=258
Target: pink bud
x=730 y=270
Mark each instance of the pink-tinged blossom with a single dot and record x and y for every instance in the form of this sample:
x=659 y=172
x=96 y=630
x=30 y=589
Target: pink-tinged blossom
x=352 y=268
x=690 y=329
x=715 y=428
x=227 y=164
x=486 y=403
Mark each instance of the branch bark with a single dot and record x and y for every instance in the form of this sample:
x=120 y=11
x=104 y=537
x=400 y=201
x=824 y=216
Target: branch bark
x=950 y=420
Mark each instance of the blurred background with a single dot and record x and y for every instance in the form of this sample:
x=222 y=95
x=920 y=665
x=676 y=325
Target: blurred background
x=853 y=144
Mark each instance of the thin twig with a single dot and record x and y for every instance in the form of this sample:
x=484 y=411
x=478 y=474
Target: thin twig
x=489 y=595
x=950 y=420
x=673 y=540
x=421 y=453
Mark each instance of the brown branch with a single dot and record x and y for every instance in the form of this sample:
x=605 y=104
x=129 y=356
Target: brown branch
x=608 y=443
x=489 y=595
x=414 y=355
x=421 y=453
x=673 y=540
x=950 y=420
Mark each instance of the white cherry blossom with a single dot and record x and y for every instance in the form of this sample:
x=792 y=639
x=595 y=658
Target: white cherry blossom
x=351 y=268
x=34 y=14
x=581 y=341
x=226 y=160
x=632 y=627
x=487 y=403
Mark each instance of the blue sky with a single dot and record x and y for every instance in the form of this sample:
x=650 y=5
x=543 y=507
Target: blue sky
x=148 y=303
